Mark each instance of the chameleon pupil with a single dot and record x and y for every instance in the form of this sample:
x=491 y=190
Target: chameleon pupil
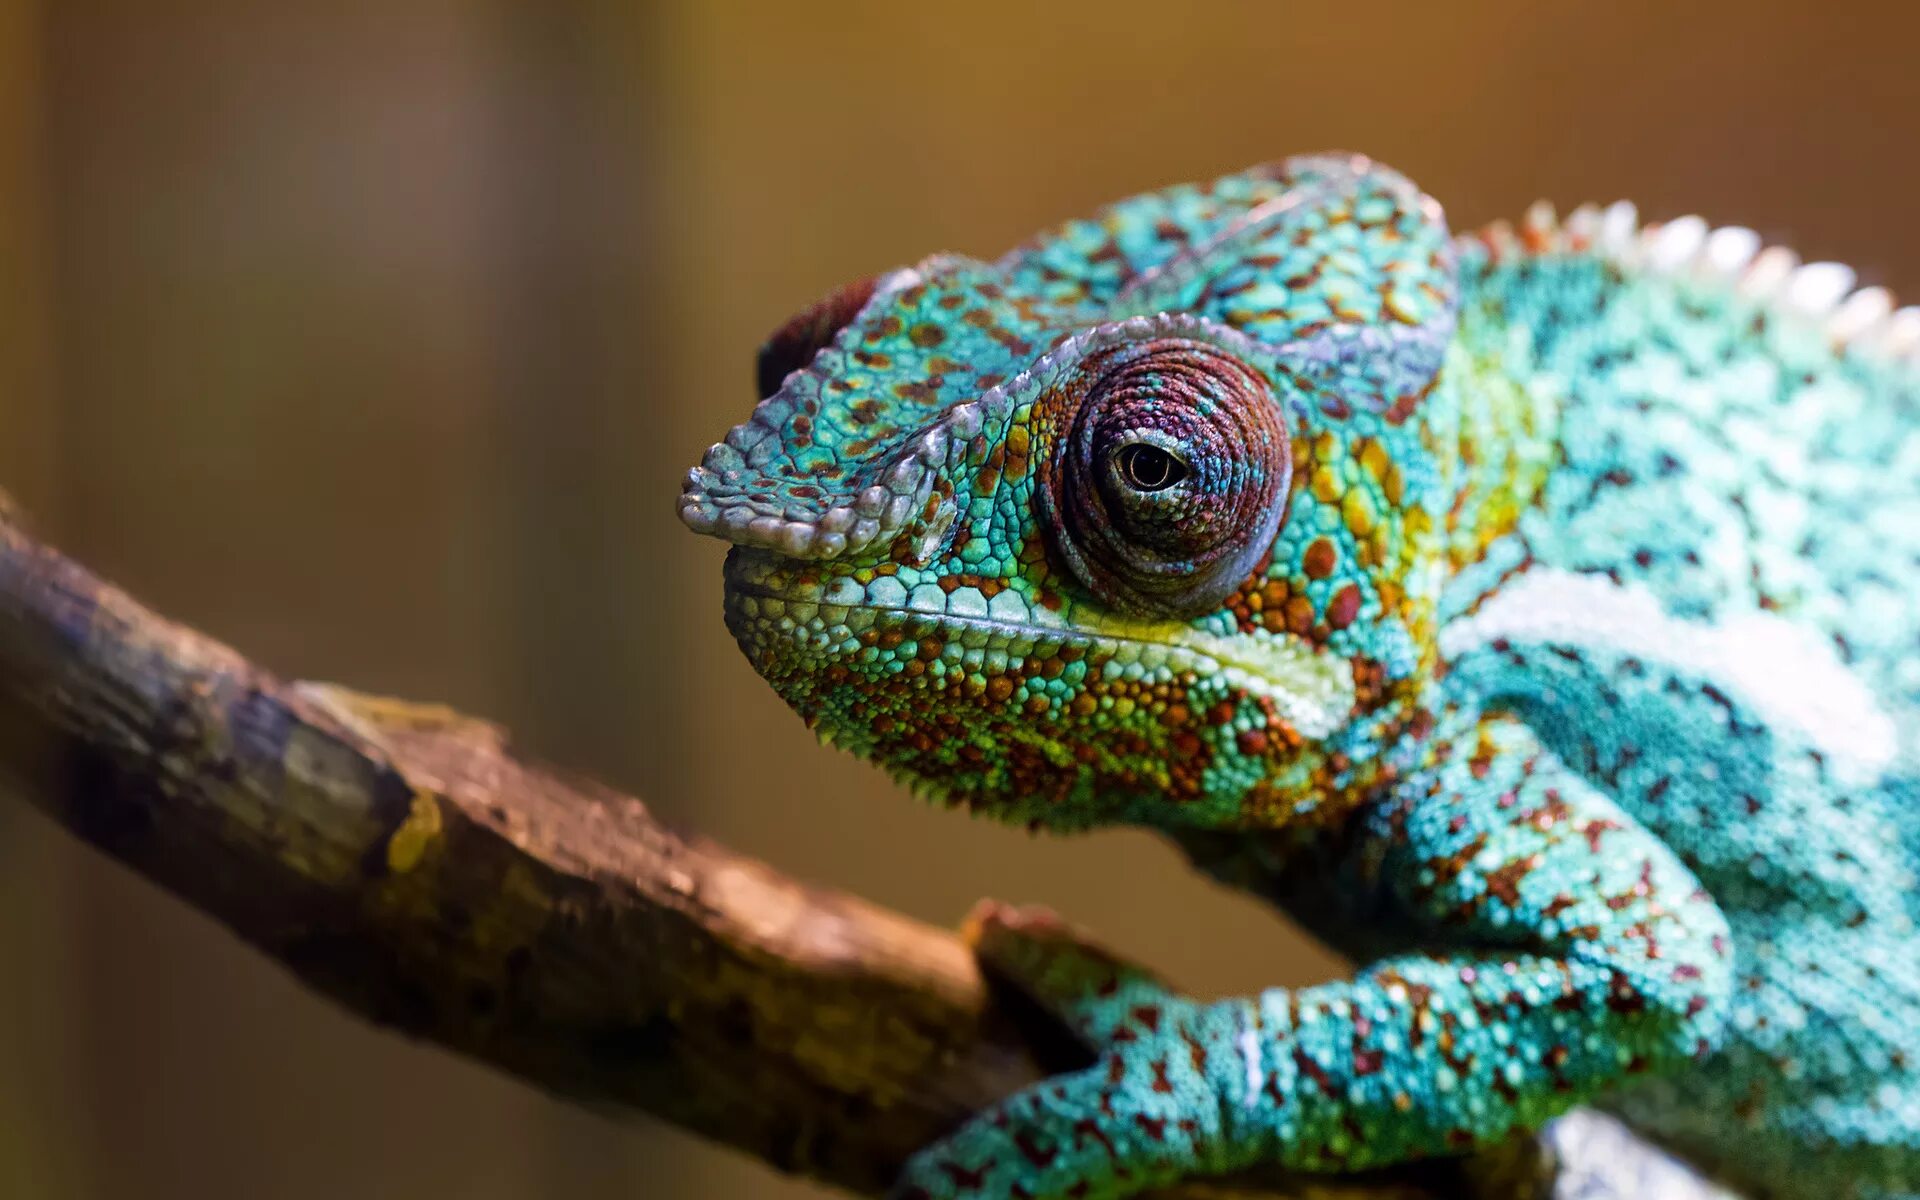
x=1149 y=468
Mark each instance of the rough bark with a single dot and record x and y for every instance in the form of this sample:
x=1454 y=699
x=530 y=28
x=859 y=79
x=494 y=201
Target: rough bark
x=402 y=860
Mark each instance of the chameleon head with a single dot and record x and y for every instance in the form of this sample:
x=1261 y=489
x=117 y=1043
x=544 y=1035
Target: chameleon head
x=1135 y=525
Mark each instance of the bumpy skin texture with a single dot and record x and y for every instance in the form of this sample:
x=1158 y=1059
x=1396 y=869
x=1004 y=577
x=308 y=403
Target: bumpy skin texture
x=1529 y=614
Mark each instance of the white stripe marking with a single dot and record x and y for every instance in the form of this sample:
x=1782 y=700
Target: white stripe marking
x=1787 y=673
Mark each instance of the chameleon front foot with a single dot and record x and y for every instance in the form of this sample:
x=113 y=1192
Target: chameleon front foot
x=1150 y=1111
x=1080 y=983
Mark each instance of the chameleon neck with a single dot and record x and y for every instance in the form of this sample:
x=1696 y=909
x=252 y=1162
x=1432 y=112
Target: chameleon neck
x=1494 y=415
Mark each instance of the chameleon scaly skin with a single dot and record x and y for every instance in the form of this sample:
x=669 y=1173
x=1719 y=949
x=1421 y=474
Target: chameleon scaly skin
x=1526 y=613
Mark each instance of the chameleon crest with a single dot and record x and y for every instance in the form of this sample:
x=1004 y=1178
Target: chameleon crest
x=1140 y=523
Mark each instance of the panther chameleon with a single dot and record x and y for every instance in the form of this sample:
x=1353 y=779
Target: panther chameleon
x=1530 y=614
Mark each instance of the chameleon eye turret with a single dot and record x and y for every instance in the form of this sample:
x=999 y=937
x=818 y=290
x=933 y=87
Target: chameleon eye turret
x=1168 y=475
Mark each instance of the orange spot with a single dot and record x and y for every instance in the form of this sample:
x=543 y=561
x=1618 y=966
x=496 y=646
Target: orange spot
x=1299 y=615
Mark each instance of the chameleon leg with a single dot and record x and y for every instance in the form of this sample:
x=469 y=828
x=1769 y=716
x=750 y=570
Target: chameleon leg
x=1592 y=955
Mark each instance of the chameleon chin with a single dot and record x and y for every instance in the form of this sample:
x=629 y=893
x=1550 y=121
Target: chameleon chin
x=1529 y=612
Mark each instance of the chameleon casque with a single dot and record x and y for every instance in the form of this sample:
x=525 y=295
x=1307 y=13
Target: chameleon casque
x=1530 y=614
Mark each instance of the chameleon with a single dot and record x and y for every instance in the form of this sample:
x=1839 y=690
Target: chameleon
x=1528 y=613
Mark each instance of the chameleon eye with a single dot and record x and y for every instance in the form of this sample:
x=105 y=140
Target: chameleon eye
x=1149 y=468
x=1169 y=477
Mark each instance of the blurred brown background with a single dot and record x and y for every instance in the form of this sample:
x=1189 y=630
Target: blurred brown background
x=373 y=336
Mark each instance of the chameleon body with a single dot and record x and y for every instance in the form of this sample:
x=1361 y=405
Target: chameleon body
x=1529 y=613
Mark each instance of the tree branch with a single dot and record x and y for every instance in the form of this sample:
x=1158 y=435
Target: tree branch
x=402 y=860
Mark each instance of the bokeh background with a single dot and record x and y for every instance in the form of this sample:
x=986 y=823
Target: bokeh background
x=373 y=336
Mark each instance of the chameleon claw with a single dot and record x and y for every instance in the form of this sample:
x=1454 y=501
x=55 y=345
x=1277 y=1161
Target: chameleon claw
x=1081 y=983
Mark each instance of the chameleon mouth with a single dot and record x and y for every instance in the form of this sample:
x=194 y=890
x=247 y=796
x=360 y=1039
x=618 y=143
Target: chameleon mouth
x=832 y=616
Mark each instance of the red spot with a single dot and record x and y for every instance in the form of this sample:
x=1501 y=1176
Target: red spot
x=965 y=1177
x=1314 y=1071
x=1160 y=1081
x=1196 y=1051
x=1091 y=1129
x=1040 y=1156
